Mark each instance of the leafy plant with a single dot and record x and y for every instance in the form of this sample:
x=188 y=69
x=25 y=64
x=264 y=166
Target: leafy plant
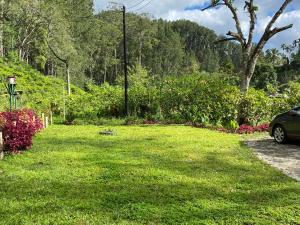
x=19 y=127
x=247 y=129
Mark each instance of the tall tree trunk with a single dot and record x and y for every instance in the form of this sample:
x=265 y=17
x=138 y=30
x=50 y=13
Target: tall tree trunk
x=1 y=27
x=105 y=71
x=245 y=83
x=27 y=58
x=249 y=69
x=90 y=72
x=20 y=54
x=140 y=53
x=116 y=65
x=52 y=68
x=68 y=79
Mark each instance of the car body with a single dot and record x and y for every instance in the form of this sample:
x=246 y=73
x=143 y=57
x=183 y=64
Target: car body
x=286 y=126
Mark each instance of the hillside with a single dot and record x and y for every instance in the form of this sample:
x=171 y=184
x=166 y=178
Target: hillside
x=39 y=92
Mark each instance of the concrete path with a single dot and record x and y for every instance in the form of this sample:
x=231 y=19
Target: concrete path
x=284 y=157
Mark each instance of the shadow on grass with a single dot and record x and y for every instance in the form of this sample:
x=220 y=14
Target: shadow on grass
x=152 y=187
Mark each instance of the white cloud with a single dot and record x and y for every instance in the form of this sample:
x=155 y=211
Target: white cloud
x=220 y=19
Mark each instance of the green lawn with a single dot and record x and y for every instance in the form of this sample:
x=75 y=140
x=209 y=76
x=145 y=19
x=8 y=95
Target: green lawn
x=144 y=175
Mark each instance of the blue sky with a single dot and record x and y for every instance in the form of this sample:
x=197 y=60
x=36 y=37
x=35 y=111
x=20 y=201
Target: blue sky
x=220 y=20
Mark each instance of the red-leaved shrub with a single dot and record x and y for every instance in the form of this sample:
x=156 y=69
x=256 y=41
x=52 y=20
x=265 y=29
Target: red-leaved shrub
x=262 y=128
x=247 y=129
x=18 y=129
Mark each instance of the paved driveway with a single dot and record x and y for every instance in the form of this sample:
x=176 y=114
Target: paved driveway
x=284 y=157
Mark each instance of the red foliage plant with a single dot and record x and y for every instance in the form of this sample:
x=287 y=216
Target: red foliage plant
x=262 y=128
x=246 y=129
x=18 y=129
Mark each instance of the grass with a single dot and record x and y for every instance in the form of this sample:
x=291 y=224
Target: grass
x=144 y=175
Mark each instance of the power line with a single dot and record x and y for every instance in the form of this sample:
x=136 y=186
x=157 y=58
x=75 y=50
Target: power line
x=132 y=4
x=144 y=6
x=138 y=4
x=129 y=2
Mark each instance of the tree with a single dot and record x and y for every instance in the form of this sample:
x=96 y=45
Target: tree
x=28 y=20
x=274 y=57
x=168 y=54
x=141 y=37
x=61 y=43
x=264 y=75
x=2 y=3
x=250 y=51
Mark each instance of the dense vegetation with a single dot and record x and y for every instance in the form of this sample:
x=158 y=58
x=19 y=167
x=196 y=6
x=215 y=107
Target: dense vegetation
x=144 y=175
x=202 y=98
x=60 y=36
x=178 y=72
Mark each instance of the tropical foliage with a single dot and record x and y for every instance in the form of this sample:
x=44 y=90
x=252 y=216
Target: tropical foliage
x=200 y=98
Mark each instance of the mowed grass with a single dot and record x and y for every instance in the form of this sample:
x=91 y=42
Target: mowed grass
x=144 y=175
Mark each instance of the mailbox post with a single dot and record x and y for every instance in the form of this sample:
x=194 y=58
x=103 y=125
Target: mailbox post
x=11 y=89
x=1 y=145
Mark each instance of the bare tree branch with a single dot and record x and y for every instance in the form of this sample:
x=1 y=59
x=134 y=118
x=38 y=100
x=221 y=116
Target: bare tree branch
x=57 y=56
x=225 y=39
x=249 y=51
x=251 y=9
x=212 y=6
x=277 y=14
x=236 y=36
x=280 y=29
x=270 y=33
x=236 y=19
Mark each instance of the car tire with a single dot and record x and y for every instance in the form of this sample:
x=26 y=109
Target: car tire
x=279 y=134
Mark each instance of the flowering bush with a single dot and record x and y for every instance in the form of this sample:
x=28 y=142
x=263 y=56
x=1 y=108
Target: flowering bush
x=19 y=127
x=262 y=128
x=246 y=129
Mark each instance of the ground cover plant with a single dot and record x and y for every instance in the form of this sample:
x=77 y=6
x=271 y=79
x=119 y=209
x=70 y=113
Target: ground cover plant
x=143 y=175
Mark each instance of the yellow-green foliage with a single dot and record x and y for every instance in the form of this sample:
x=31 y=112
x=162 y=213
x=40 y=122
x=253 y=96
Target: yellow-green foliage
x=41 y=93
x=200 y=98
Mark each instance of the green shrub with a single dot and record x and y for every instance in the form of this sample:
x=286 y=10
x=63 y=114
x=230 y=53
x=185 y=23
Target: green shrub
x=201 y=99
x=205 y=99
x=256 y=107
x=293 y=93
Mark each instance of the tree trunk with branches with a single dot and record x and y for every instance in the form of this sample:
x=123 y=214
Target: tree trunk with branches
x=250 y=51
x=67 y=63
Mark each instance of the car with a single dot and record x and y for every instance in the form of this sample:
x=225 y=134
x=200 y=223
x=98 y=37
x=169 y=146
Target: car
x=286 y=126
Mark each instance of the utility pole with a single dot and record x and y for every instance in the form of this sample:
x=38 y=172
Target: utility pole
x=125 y=62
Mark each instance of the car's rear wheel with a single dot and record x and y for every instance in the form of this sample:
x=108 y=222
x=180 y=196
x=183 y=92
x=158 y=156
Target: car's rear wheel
x=279 y=134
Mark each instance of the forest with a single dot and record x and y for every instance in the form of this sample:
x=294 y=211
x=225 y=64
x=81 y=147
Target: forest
x=60 y=37
x=176 y=69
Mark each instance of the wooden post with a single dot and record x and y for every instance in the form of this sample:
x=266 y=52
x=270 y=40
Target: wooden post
x=51 y=118
x=64 y=100
x=46 y=122
x=43 y=120
x=1 y=146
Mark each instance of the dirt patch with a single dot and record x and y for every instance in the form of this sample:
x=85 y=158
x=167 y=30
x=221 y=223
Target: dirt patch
x=284 y=157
